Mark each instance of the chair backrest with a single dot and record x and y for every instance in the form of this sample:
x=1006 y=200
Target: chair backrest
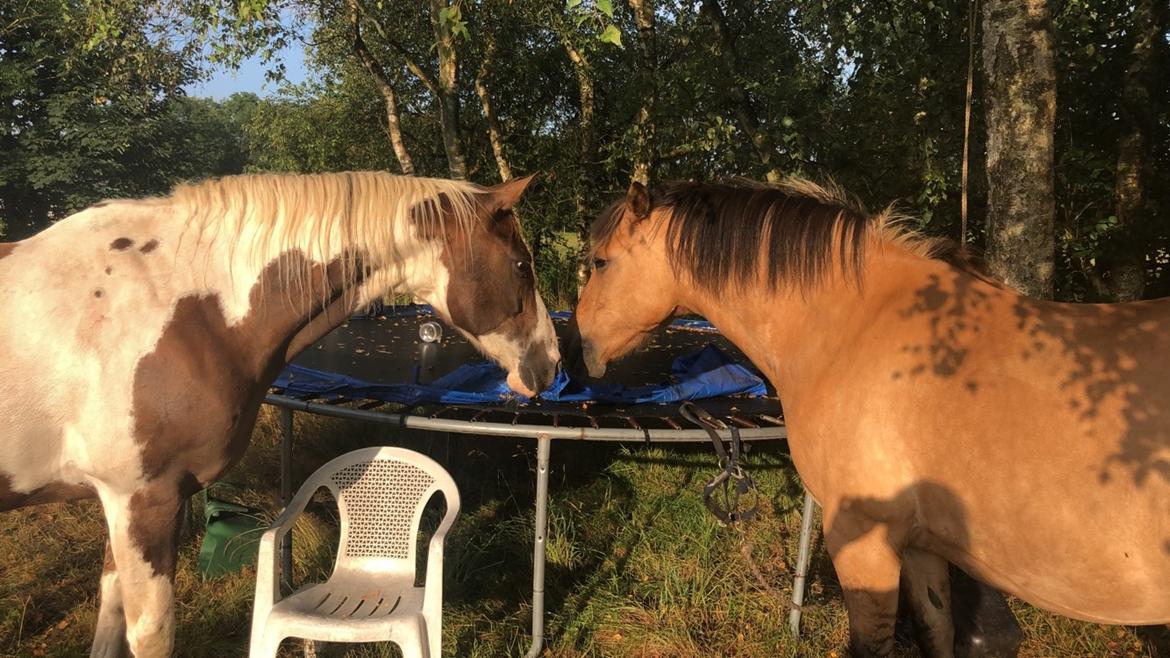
x=381 y=494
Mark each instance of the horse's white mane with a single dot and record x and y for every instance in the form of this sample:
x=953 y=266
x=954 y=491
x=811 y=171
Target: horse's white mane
x=326 y=216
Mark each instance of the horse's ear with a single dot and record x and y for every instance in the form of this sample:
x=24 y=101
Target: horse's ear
x=507 y=194
x=638 y=199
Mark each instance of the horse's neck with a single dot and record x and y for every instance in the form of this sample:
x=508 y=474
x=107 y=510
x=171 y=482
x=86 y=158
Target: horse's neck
x=286 y=297
x=795 y=338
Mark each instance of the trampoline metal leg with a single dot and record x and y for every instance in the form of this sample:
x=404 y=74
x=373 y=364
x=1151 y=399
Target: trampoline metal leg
x=286 y=489
x=802 y=559
x=543 y=445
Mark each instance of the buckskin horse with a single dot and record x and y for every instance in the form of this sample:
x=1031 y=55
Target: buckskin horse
x=936 y=415
x=139 y=337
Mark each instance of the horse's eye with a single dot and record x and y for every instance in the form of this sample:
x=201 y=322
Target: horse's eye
x=599 y=263
x=523 y=268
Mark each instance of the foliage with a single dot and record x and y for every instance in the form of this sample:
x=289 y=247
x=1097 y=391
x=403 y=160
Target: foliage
x=84 y=103
x=871 y=95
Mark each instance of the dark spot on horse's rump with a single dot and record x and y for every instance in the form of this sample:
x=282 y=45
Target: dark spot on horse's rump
x=121 y=244
x=934 y=599
x=97 y=293
x=148 y=247
x=972 y=385
x=109 y=270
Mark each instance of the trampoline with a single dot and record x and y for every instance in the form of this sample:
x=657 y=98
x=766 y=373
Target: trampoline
x=376 y=368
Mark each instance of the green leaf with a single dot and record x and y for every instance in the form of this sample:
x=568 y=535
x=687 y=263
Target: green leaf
x=611 y=35
x=573 y=4
x=605 y=7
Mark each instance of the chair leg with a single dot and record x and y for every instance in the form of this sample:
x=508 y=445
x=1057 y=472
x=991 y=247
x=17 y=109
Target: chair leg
x=414 y=650
x=265 y=644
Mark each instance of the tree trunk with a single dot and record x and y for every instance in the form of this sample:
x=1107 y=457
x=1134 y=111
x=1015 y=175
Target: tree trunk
x=448 y=94
x=587 y=134
x=382 y=81
x=745 y=112
x=1021 y=90
x=645 y=144
x=495 y=135
x=1127 y=261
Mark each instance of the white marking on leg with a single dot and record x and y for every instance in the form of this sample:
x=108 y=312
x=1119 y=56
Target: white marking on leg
x=109 y=637
x=147 y=597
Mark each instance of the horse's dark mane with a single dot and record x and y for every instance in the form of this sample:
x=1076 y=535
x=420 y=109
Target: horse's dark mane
x=718 y=233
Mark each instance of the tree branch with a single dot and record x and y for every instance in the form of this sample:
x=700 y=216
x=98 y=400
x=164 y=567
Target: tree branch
x=407 y=58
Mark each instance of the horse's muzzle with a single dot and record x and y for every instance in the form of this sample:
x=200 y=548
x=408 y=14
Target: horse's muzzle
x=537 y=368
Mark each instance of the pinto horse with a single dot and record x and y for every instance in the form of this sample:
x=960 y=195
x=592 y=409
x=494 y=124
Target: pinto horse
x=936 y=415
x=140 y=336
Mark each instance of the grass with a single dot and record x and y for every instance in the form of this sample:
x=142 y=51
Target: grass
x=636 y=566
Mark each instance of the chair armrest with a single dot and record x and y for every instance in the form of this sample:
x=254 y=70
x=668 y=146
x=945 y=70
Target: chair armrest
x=433 y=592
x=296 y=506
x=268 y=573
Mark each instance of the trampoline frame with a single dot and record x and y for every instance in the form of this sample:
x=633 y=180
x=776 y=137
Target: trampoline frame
x=544 y=436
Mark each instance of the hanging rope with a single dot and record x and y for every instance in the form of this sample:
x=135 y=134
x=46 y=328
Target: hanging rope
x=972 y=23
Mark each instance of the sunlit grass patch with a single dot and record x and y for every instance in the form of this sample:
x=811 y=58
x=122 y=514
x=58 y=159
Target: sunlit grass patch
x=637 y=567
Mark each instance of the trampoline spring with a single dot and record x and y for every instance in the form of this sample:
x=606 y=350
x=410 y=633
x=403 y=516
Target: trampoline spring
x=479 y=414
x=633 y=423
x=772 y=419
x=670 y=421
x=742 y=422
x=556 y=420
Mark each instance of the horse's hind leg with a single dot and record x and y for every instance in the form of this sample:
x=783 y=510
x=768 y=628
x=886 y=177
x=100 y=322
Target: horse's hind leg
x=868 y=569
x=926 y=583
x=109 y=637
x=143 y=534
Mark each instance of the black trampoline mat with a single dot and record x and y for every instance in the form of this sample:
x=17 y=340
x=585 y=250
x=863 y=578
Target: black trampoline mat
x=387 y=350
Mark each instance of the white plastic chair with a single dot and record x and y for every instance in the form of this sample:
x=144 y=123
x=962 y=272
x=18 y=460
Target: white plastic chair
x=370 y=597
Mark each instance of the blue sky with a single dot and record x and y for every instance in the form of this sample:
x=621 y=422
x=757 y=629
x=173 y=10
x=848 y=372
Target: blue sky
x=250 y=76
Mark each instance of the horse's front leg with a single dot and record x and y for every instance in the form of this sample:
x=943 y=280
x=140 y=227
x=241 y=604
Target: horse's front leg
x=868 y=568
x=109 y=637
x=926 y=582
x=144 y=535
